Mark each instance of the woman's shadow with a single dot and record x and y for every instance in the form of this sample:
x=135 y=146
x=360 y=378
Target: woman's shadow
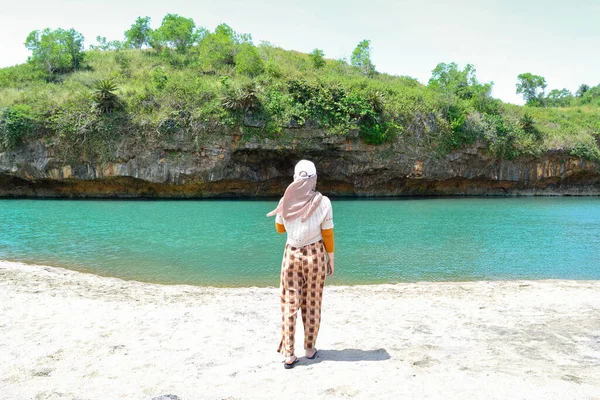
x=349 y=355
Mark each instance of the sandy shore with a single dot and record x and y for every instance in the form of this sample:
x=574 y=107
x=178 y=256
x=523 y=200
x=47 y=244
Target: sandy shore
x=68 y=335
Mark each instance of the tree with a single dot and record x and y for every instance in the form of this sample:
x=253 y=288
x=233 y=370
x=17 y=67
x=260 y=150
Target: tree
x=559 y=98
x=248 y=61
x=453 y=82
x=532 y=87
x=219 y=49
x=176 y=32
x=74 y=42
x=103 y=44
x=139 y=34
x=56 y=51
x=449 y=79
x=591 y=96
x=317 y=58
x=361 y=58
x=581 y=91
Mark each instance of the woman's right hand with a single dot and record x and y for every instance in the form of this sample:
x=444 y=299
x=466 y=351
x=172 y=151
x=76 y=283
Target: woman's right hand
x=330 y=265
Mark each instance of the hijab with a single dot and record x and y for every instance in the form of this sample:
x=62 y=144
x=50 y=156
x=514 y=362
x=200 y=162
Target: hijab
x=300 y=198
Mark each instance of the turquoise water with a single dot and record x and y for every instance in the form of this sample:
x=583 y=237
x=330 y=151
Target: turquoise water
x=232 y=243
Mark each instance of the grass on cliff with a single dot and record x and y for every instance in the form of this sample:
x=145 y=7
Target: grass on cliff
x=269 y=89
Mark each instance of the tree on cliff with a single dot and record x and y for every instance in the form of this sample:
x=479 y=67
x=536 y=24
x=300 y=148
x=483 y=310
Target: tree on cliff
x=104 y=44
x=56 y=51
x=218 y=48
x=449 y=79
x=317 y=58
x=224 y=47
x=139 y=34
x=361 y=58
x=559 y=98
x=591 y=96
x=582 y=89
x=532 y=88
x=175 y=32
x=248 y=61
x=456 y=84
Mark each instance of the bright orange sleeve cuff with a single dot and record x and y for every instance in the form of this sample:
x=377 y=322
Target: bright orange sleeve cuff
x=280 y=228
x=328 y=239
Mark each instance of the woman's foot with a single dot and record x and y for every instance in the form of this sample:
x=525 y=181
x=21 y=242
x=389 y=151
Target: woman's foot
x=310 y=353
x=290 y=361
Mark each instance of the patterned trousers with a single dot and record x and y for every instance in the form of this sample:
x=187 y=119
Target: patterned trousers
x=303 y=273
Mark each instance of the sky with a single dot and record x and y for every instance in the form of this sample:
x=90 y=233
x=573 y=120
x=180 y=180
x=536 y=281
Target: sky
x=559 y=40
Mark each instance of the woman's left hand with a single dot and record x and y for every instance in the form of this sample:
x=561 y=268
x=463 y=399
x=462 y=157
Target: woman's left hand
x=330 y=265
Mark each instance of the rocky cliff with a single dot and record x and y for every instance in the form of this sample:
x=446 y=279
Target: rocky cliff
x=234 y=165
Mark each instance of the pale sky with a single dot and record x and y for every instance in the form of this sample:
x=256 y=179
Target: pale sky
x=557 y=39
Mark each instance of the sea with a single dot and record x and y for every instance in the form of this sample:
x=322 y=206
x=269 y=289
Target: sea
x=231 y=243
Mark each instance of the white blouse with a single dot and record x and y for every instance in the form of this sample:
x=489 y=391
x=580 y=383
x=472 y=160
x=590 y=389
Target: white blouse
x=300 y=234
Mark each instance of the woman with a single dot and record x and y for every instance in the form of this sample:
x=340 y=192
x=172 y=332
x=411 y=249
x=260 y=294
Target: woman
x=307 y=217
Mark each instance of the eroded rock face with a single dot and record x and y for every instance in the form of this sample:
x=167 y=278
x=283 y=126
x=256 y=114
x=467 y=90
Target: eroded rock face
x=230 y=165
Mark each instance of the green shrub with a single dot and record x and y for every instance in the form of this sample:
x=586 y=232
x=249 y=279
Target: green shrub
x=460 y=133
x=375 y=132
x=279 y=110
x=83 y=132
x=16 y=123
x=528 y=125
x=586 y=150
x=124 y=63
x=159 y=78
x=242 y=99
x=507 y=139
x=325 y=103
x=20 y=76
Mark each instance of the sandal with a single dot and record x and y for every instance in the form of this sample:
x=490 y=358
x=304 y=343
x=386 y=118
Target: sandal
x=314 y=355
x=291 y=365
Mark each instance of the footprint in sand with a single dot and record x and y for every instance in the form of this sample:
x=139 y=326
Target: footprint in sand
x=426 y=362
x=341 y=391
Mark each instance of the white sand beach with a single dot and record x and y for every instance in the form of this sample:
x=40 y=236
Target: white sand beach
x=69 y=335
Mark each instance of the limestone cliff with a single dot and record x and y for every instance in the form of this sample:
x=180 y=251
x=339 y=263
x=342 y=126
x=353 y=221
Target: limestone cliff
x=236 y=165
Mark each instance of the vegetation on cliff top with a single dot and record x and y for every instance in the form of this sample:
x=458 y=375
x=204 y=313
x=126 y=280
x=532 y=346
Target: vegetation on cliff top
x=183 y=79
